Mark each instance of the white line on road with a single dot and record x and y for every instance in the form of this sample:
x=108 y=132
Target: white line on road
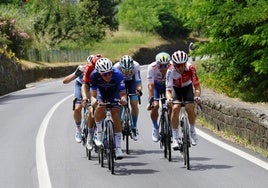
x=41 y=163
x=234 y=150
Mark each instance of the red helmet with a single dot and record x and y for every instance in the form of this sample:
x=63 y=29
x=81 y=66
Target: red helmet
x=96 y=58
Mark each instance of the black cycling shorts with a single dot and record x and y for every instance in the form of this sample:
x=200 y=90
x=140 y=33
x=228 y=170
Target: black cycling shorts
x=186 y=93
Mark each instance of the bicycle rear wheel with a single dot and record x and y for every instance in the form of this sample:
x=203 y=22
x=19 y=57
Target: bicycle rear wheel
x=167 y=130
x=162 y=135
x=126 y=124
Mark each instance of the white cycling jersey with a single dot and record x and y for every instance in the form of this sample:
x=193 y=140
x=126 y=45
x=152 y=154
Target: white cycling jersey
x=135 y=73
x=154 y=75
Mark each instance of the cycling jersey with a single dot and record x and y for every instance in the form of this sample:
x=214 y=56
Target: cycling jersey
x=131 y=79
x=175 y=79
x=134 y=74
x=108 y=91
x=155 y=77
x=89 y=68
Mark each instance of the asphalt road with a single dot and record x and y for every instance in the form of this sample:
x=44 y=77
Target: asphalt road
x=38 y=149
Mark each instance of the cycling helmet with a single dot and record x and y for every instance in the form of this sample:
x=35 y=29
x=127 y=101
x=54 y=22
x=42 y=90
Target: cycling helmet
x=96 y=58
x=103 y=65
x=162 y=58
x=126 y=62
x=89 y=58
x=179 y=57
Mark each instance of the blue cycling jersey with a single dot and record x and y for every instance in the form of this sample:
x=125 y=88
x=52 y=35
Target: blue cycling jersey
x=108 y=91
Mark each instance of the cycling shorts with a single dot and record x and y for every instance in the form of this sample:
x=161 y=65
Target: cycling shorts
x=186 y=93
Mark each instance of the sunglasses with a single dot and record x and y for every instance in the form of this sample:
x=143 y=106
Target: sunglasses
x=163 y=66
x=179 y=65
x=106 y=74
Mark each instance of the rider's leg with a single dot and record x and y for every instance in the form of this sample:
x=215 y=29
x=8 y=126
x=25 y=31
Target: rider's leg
x=117 y=132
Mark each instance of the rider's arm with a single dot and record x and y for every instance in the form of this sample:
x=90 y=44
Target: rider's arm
x=69 y=78
x=85 y=91
x=79 y=71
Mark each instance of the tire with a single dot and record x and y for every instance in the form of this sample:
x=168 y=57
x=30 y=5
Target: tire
x=186 y=145
x=168 y=136
x=111 y=146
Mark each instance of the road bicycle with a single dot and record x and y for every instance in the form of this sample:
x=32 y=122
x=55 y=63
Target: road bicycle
x=107 y=149
x=127 y=121
x=84 y=127
x=165 y=128
x=184 y=132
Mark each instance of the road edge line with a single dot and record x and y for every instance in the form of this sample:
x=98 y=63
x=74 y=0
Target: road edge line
x=234 y=150
x=41 y=162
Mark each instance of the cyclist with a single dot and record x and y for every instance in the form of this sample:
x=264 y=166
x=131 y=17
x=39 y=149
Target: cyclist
x=85 y=97
x=182 y=83
x=131 y=71
x=156 y=87
x=77 y=107
x=107 y=84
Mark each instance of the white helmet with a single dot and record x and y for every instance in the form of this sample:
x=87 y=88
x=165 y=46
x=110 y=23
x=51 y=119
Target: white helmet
x=162 y=58
x=126 y=62
x=104 y=65
x=89 y=58
x=179 y=57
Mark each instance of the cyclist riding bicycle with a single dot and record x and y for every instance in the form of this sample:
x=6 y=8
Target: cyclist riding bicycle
x=156 y=87
x=77 y=106
x=85 y=97
x=107 y=85
x=131 y=71
x=182 y=84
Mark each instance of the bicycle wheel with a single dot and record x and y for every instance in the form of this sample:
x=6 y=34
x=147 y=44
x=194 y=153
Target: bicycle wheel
x=185 y=144
x=167 y=130
x=111 y=146
x=163 y=134
x=126 y=124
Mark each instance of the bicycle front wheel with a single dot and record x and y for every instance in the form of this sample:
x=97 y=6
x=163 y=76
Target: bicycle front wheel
x=186 y=144
x=111 y=146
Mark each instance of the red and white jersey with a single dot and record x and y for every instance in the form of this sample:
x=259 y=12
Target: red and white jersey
x=181 y=80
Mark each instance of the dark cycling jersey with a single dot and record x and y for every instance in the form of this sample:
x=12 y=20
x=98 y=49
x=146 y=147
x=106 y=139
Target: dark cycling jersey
x=108 y=91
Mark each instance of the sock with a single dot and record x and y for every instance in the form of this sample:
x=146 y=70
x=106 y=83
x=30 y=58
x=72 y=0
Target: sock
x=192 y=128
x=117 y=137
x=99 y=126
x=90 y=131
x=155 y=124
x=135 y=119
x=175 y=134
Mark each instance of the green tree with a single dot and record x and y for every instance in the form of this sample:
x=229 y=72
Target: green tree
x=152 y=16
x=237 y=30
x=82 y=21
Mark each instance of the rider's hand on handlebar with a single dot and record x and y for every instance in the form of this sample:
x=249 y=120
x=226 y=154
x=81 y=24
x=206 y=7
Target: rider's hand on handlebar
x=169 y=101
x=84 y=102
x=198 y=100
x=139 y=92
x=123 y=101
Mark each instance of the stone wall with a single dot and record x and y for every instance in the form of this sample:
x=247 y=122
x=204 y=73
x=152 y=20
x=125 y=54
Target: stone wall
x=248 y=120
x=11 y=75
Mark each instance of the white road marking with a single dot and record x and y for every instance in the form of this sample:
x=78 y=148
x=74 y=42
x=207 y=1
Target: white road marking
x=41 y=163
x=234 y=150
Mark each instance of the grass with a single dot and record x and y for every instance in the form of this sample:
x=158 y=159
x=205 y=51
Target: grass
x=230 y=136
x=125 y=42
